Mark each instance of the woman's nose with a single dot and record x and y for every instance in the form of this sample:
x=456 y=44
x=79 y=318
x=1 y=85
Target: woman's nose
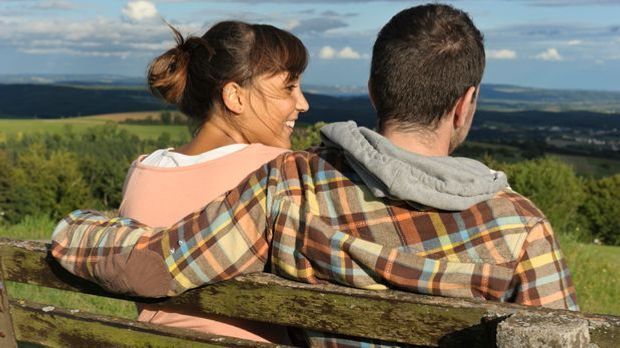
x=302 y=103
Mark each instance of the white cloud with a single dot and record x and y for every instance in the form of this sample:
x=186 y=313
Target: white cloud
x=349 y=53
x=328 y=52
x=96 y=37
x=550 y=54
x=140 y=10
x=574 y=42
x=501 y=54
x=291 y=24
x=156 y=46
x=72 y=52
x=53 y=5
x=561 y=3
x=316 y=25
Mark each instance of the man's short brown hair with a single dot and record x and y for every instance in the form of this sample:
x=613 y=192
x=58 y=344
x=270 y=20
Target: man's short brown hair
x=424 y=59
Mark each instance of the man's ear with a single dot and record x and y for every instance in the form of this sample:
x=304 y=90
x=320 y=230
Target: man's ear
x=465 y=107
x=370 y=96
x=233 y=96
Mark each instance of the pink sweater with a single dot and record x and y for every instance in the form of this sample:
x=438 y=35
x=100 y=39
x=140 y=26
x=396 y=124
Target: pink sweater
x=160 y=197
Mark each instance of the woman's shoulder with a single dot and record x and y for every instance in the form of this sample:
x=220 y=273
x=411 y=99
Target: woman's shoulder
x=157 y=158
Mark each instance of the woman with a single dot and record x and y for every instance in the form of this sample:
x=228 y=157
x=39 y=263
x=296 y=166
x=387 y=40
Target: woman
x=241 y=84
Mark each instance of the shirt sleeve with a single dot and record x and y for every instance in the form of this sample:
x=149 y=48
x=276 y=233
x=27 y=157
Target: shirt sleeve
x=542 y=277
x=227 y=238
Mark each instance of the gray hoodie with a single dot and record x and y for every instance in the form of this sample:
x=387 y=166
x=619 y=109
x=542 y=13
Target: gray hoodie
x=442 y=182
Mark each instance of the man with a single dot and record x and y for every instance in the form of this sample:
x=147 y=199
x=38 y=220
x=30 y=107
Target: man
x=369 y=210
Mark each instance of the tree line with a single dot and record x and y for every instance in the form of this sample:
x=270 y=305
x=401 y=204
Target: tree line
x=44 y=174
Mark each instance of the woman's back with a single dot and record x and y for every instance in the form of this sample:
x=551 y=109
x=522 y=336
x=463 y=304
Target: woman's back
x=161 y=196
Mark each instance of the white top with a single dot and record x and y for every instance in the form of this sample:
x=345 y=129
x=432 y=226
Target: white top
x=166 y=158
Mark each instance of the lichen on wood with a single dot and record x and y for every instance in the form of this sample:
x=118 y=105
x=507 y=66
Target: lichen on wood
x=61 y=328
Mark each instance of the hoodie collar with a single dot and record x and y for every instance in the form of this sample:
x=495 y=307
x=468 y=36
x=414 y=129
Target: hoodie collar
x=442 y=182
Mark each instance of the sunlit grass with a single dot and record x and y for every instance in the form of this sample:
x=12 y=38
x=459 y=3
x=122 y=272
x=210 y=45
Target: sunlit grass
x=72 y=300
x=595 y=272
x=17 y=127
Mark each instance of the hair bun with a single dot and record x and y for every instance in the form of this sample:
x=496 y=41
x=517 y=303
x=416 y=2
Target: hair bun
x=167 y=74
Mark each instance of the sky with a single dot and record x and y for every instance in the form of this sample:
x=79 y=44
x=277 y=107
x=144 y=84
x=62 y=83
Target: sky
x=567 y=44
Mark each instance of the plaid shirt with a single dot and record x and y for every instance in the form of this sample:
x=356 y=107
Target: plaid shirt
x=314 y=219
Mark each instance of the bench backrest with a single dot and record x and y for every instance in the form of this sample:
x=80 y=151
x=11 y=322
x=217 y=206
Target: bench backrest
x=385 y=315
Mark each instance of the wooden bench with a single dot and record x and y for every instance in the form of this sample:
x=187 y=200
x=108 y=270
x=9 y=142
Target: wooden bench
x=386 y=315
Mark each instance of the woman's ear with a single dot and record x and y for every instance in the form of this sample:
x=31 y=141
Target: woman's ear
x=233 y=96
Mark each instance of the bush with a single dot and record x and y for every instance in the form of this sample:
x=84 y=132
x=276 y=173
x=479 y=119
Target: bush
x=601 y=210
x=6 y=184
x=306 y=137
x=554 y=187
x=43 y=185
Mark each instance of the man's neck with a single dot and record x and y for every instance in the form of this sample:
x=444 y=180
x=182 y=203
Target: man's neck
x=424 y=143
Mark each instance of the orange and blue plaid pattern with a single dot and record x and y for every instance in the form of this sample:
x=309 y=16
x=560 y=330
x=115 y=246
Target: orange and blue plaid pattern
x=312 y=217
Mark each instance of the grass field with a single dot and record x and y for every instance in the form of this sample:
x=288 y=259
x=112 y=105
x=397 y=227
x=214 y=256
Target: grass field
x=583 y=165
x=594 y=270
x=13 y=127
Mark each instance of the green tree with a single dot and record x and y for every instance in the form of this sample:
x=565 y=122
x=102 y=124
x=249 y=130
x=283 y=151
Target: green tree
x=104 y=154
x=166 y=117
x=305 y=137
x=44 y=184
x=601 y=209
x=553 y=186
x=6 y=186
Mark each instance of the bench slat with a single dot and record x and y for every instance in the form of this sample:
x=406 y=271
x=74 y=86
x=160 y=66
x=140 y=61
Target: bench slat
x=7 y=334
x=385 y=315
x=56 y=327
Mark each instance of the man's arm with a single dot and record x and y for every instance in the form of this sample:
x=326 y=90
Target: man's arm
x=227 y=238
x=542 y=277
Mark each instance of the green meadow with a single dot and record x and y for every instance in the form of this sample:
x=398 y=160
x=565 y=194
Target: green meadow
x=16 y=127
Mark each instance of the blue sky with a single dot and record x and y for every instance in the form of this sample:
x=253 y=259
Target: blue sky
x=572 y=44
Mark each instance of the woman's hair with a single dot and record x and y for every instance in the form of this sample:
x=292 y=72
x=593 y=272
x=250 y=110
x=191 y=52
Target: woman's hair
x=192 y=74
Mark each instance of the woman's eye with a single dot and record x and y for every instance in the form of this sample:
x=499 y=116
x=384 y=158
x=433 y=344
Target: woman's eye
x=291 y=87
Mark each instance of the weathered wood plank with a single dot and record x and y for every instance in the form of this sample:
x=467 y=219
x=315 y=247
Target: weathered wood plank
x=389 y=315
x=28 y=262
x=7 y=335
x=55 y=327
x=385 y=315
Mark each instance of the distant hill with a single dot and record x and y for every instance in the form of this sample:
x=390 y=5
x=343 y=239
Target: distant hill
x=55 y=101
x=45 y=96
x=77 y=79
x=514 y=98
x=59 y=100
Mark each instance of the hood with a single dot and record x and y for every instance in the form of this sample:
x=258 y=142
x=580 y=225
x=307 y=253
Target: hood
x=442 y=182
